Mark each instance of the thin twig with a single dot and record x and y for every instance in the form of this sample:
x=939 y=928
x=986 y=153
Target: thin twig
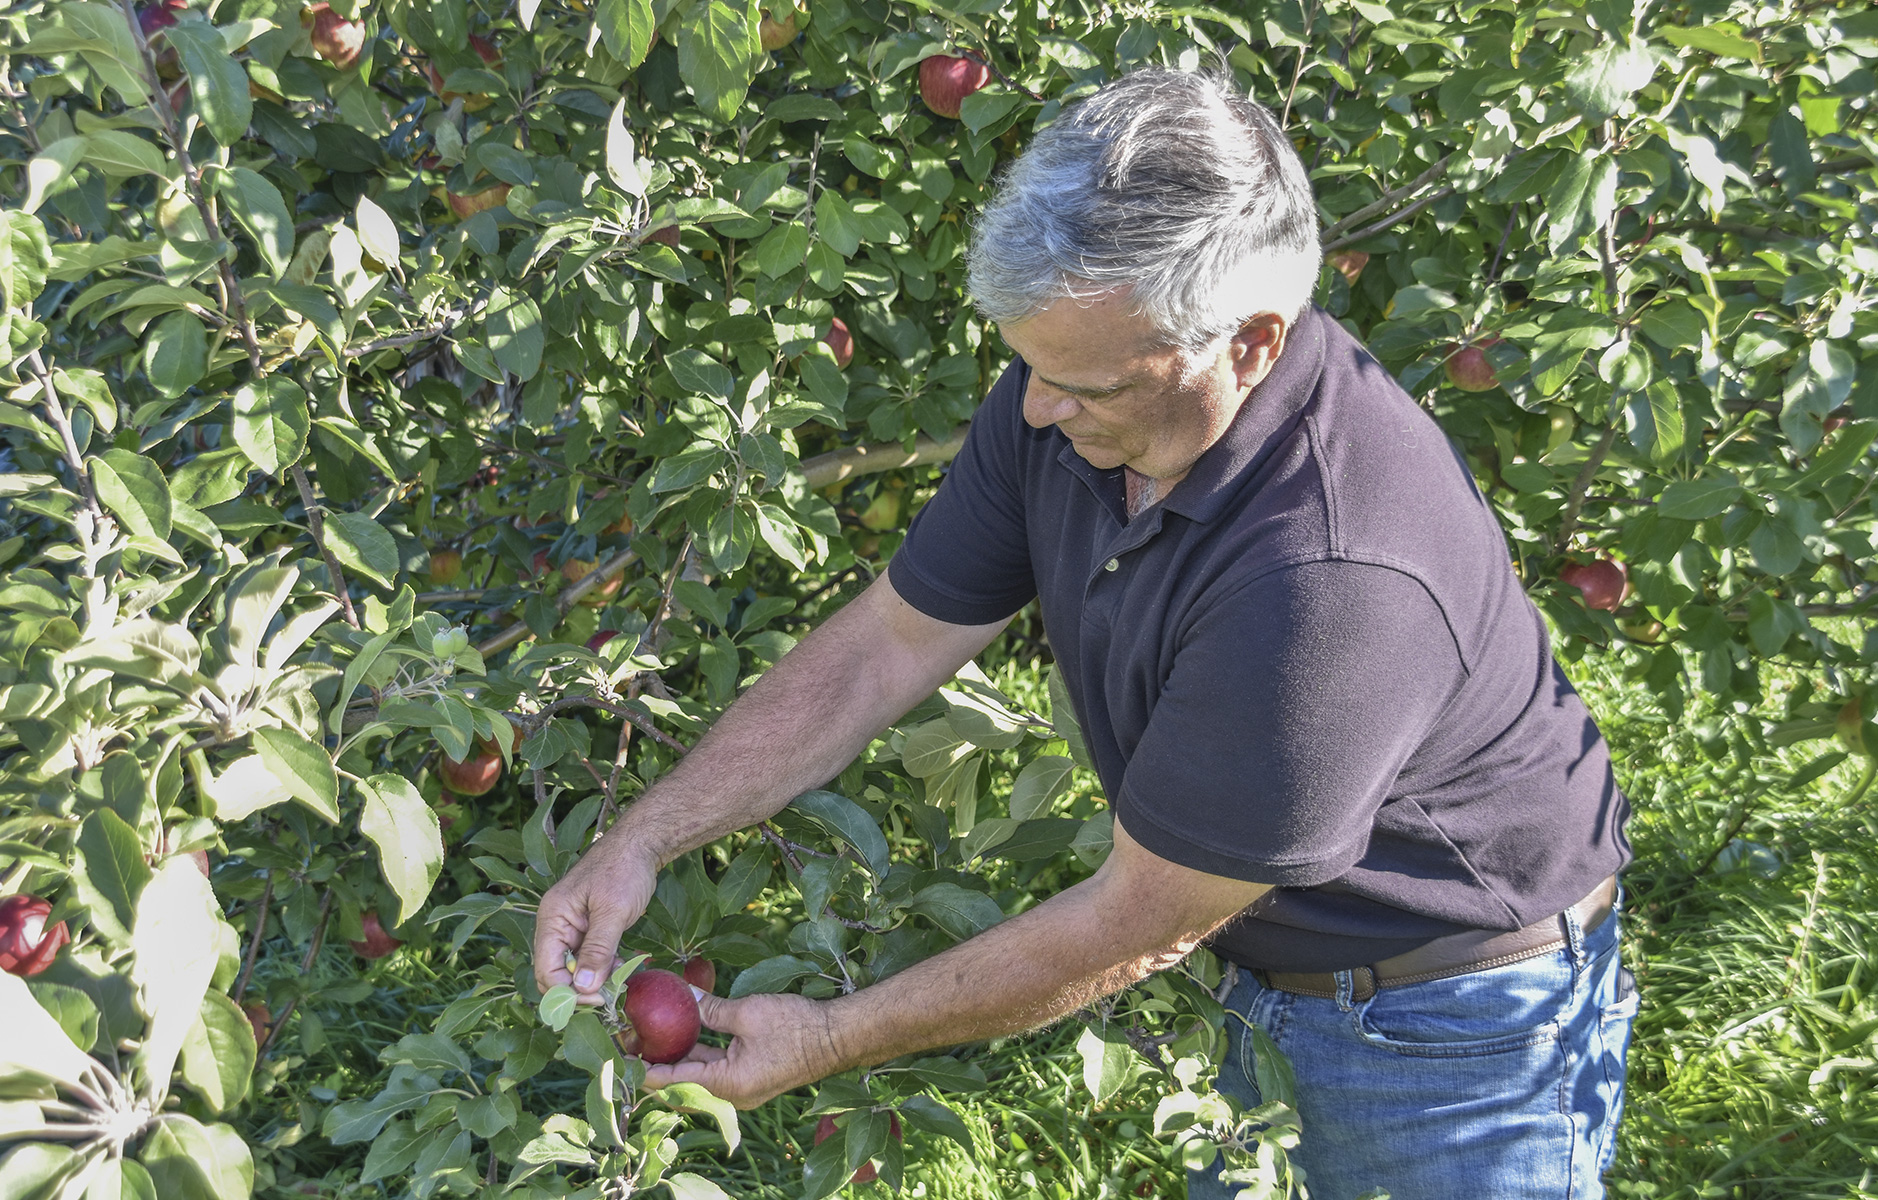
x=565 y=604
x=1392 y=219
x=316 y=525
x=306 y=967
x=1389 y=199
x=254 y=942
x=1297 y=71
x=1576 y=499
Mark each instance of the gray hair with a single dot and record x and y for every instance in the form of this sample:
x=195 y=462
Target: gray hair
x=1169 y=185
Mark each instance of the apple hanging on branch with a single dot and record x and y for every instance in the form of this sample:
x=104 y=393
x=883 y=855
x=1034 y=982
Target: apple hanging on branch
x=661 y=1017
x=774 y=34
x=945 y=81
x=27 y=946
x=841 y=341
x=1468 y=368
x=334 y=38
x=1602 y=581
x=700 y=973
x=376 y=943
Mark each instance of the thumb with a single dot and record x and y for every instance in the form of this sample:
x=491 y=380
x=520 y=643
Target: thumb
x=718 y=1013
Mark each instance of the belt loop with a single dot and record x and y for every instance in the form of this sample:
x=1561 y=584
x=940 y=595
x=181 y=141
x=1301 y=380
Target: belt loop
x=1574 y=939
x=1346 y=990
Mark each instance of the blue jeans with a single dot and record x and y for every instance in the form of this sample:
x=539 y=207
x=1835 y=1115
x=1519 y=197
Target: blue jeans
x=1505 y=1083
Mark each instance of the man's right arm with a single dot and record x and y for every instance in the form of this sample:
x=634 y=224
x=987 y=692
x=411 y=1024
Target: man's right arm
x=795 y=729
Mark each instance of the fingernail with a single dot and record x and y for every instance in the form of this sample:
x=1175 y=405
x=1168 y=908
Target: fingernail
x=697 y=993
x=583 y=981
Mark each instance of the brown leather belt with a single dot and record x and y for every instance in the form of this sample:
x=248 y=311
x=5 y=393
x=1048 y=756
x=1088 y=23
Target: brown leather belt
x=1456 y=954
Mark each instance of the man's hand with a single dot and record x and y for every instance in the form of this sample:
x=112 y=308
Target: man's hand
x=777 y=1043
x=587 y=911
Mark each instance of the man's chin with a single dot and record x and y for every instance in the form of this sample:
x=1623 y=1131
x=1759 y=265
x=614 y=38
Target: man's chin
x=1102 y=458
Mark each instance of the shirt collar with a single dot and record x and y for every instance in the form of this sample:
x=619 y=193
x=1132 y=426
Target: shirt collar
x=1267 y=418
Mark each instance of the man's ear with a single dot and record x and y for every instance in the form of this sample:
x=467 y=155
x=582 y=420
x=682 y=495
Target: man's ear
x=1256 y=347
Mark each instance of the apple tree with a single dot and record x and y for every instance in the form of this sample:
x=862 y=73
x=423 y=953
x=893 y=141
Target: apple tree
x=420 y=420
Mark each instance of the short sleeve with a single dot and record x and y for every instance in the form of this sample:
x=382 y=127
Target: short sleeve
x=1292 y=706
x=966 y=557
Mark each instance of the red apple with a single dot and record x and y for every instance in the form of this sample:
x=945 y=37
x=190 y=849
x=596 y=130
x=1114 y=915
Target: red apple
x=445 y=565
x=825 y=1129
x=840 y=341
x=201 y=859
x=334 y=38
x=1602 y=581
x=776 y=34
x=944 y=82
x=600 y=639
x=1468 y=368
x=259 y=1018
x=665 y=235
x=700 y=973
x=475 y=775
x=1349 y=263
x=467 y=205
x=662 y=1017
x=376 y=943
x=27 y=946
x=153 y=19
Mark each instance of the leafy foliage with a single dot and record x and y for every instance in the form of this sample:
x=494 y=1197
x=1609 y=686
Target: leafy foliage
x=541 y=292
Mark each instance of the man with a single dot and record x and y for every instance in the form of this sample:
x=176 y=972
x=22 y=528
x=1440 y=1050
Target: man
x=1325 y=715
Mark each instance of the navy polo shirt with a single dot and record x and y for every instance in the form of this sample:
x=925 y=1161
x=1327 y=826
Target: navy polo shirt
x=1310 y=665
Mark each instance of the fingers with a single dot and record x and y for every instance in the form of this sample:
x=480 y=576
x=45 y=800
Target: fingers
x=718 y=1013
x=559 y=929
x=599 y=948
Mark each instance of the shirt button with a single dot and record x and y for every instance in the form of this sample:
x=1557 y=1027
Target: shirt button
x=1112 y=564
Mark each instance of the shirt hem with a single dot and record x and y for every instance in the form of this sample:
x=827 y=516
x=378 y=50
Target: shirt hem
x=1177 y=848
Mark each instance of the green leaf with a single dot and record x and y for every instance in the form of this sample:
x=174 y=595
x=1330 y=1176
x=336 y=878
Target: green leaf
x=134 y=489
x=627 y=28
x=410 y=846
x=121 y=152
x=303 y=768
x=363 y=544
x=1039 y=785
x=110 y=873
x=427 y=1052
x=929 y=1116
x=848 y=821
x=49 y=168
x=216 y=81
x=174 y=946
x=1699 y=499
x=219 y=1053
x=622 y=163
x=376 y=232
x=717 y=53
x=771 y=975
x=35 y=1043
x=191 y=1161
x=76 y=1013
x=691 y=1097
x=1654 y=418
x=37 y=1171
x=176 y=354
x=261 y=212
x=1272 y=1070
x=686 y=1186
x=1608 y=76
x=245 y=787
x=271 y=423
x=959 y=911
x=1723 y=41
x=557 y=1007
x=1108 y=1062
x=1063 y=720
x=515 y=334
x=353 y=1121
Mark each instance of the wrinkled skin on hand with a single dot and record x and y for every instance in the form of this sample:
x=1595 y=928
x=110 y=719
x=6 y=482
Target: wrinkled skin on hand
x=587 y=911
x=778 y=1042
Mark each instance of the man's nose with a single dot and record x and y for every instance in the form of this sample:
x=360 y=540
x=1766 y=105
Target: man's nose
x=1045 y=406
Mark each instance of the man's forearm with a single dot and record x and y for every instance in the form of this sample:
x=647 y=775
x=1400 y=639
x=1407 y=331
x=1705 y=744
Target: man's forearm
x=800 y=724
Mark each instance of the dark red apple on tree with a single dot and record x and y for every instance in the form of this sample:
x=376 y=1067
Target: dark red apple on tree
x=475 y=101
x=259 y=1018
x=1348 y=263
x=840 y=341
x=154 y=19
x=661 y=1014
x=467 y=205
x=1603 y=582
x=664 y=235
x=600 y=639
x=776 y=34
x=475 y=775
x=825 y=1129
x=334 y=38
x=27 y=946
x=700 y=973
x=376 y=943
x=945 y=81
x=1468 y=368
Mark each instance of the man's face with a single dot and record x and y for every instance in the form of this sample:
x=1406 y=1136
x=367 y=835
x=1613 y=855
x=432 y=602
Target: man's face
x=1099 y=374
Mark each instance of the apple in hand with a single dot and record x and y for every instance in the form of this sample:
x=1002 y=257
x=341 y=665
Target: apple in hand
x=825 y=1129
x=1603 y=582
x=1468 y=368
x=662 y=1021
x=945 y=81
x=376 y=943
x=27 y=947
x=334 y=38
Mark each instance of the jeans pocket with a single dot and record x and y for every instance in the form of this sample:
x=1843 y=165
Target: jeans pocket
x=1496 y=1011
x=1614 y=1022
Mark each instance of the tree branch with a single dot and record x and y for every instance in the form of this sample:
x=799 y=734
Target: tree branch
x=1388 y=199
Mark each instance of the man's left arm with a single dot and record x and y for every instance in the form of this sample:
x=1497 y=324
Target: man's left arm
x=1139 y=913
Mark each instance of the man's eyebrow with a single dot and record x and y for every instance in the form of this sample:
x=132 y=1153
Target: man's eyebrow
x=1082 y=389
